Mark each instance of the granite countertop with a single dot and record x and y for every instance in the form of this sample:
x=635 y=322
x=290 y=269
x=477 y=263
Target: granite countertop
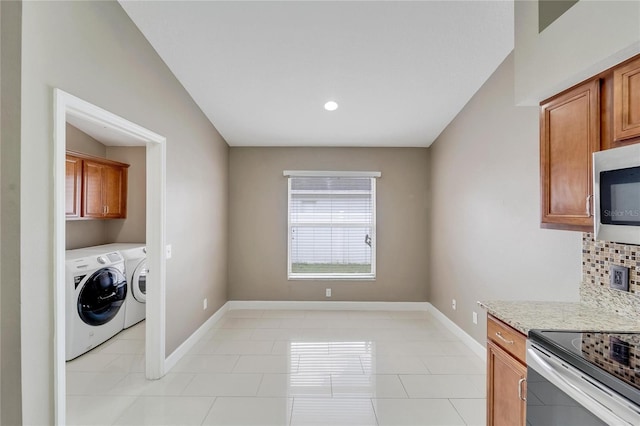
x=527 y=315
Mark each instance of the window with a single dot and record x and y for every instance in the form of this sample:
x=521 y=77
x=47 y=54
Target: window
x=332 y=225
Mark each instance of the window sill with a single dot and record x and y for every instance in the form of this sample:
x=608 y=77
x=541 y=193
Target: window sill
x=308 y=277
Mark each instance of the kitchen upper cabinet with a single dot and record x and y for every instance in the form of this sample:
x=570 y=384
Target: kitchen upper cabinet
x=569 y=135
x=73 y=184
x=626 y=101
x=103 y=193
x=506 y=375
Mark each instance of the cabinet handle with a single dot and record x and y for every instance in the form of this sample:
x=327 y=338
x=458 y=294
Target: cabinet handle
x=501 y=337
x=588 y=205
x=520 y=393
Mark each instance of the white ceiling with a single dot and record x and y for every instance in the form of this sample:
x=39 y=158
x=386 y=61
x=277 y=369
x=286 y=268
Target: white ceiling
x=262 y=71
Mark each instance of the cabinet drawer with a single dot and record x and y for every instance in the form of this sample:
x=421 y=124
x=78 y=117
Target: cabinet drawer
x=509 y=339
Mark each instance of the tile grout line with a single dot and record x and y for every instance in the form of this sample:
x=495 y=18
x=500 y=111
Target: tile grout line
x=403 y=386
x=215 y=398
x=456 y=410
x=375 y=413
x=136 y=398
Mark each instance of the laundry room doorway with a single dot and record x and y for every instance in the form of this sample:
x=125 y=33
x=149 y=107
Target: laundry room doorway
x=114 y=130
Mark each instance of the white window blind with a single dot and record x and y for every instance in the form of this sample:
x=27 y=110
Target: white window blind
x=332 y=220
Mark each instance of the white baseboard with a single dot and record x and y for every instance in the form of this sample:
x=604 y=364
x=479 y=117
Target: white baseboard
x=471 y=343
x=182 y=350
x=328 y=305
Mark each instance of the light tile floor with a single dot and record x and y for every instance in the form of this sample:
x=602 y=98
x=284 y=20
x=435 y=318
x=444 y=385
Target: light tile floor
x=288 y=367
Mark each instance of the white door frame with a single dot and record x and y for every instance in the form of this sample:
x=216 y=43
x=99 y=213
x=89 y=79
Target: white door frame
x=69 y=105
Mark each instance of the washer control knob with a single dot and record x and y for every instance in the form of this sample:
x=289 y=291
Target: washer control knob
x=102 y=260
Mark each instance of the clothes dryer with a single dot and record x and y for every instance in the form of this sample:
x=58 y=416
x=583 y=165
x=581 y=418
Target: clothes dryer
x=135 y=267
x=96 y=290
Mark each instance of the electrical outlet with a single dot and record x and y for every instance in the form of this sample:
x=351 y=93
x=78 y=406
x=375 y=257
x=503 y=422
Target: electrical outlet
x=204 y=303
x=328 y=292
x=619 y=277
x=453 y=304
x=475 y=318
x=168 y=251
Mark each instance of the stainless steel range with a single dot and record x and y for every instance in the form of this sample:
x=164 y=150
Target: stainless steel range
x=583 y=378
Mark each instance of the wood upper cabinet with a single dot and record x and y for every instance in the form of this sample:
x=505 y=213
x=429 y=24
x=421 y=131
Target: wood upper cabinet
x=569 y=135
x=73 y=182
x=115 y=191
x=506 y=375
x=103 y=193
x=626 y=101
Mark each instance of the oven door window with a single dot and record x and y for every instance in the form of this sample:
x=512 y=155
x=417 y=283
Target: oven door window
x=620 y=197
x=549 y=406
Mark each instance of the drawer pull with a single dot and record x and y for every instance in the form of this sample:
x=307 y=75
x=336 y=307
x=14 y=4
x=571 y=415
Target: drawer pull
x=501 y=337
x=520 y=393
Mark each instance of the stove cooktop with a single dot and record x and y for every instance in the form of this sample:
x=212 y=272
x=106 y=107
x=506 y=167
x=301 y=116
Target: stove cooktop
x=613 y=358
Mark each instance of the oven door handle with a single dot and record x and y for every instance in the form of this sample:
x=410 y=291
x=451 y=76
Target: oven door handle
x=577 y=387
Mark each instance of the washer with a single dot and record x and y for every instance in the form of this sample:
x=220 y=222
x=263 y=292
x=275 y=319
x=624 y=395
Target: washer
x=135 y=267
x=96 y=290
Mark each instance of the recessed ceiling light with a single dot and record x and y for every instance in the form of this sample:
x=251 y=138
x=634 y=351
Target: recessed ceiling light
x=331 y=106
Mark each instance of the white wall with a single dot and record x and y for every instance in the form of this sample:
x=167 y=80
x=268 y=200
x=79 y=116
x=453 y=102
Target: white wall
x=486 y=241
x=92 y=50
x=590 y=37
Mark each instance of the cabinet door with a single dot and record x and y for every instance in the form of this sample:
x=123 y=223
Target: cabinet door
x=626 y=101
x=115 y=195
x=93 y=196
x=73 y=182
x=506 y=383
x=569 y=135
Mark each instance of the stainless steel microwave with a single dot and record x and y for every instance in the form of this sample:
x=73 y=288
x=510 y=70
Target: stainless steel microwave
x=616 y=186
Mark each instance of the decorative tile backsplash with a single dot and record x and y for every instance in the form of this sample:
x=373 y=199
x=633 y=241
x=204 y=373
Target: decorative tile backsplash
x=597 y=257
x=616 y=353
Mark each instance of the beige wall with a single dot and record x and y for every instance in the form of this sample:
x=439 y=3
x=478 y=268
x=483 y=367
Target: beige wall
x=85 y=233
x=79 y=141
x=132 y=229
x=590 y=37
x=486 y=240
x=93 y=50
x=258 y=223
x=10 y=256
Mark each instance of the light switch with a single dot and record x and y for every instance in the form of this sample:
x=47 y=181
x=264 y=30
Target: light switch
x=168 y=252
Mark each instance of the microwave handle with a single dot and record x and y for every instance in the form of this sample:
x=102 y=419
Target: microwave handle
x=588 y=205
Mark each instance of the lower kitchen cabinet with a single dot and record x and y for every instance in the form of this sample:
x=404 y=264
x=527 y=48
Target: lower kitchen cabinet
x=506 y=375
